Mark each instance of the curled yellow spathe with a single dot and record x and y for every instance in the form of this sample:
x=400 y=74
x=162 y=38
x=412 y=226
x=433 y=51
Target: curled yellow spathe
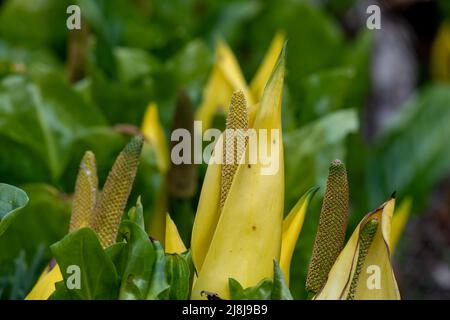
x=375 y=279
x=247 y=237
x=45 y=286
x=153 y=133
x=265 y=69
x=226 y=77
x=292 y=226
x=440 y=54
x=399 y=221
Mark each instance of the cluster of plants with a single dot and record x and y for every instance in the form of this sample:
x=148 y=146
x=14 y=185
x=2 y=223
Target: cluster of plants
x=144 y=68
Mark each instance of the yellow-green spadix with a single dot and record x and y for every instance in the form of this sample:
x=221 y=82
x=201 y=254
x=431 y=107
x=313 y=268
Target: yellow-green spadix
x=332 y=225
x=117 y=188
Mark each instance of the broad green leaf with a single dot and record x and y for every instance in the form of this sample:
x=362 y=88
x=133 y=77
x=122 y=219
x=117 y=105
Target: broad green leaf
x=315 y=41
x=120 y=102
x=47 y=17
x=61 y=292
x=412 y=153
x=139 y=262
x=135 y=65
x=280 y=290
x=178 y=276
x=42 y=222
x=41 y=121
x=190 y=68
x=99 y=279
x=310 y=149
x=12 y=199
x=159 y=287
x=118 y=255
x=188 y=257
x=324 y=92
x=261 y=291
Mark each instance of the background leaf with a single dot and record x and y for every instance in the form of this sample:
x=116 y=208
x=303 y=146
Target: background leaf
x=12 y=199
x=99 y=279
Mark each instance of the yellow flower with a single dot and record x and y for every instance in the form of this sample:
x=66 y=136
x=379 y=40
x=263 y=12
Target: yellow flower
x=153 y=133
x=363 y=270
x=262 y=75
x=399 y=221
x=241 y=239
x=45 y=285
x=226 y=77
x=173 y=242
x=102 y=214
x=155 y=139
x=440 y=54
x=292 y=226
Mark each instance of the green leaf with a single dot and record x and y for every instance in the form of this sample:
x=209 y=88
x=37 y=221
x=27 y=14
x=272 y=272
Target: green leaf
x=188 y=257
x=136 y=214
x=42 y=222
x=99 y=278
x=118 y=255
x=280 y=290
x=135 y=65
x=178 y=276
x=139 y=262
x=261 y=291
x=325 y=92
x=190 y=68
x=315 y=40
x=412 y=153
x=159 y=287
x=61 y=292
x=40 y=122
x=12 y=199
x=310 y=149
x=49 y=16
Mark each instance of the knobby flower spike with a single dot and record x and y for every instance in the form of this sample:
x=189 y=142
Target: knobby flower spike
x=233 y=151
x=249 y=226
x=84 y=199
x=86 y=193
x=117 y=188
x=363 y=270
x=102 y=213
x=226 y=77
x=332 y=225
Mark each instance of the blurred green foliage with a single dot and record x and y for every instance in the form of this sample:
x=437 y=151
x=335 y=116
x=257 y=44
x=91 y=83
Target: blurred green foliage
x=141 y=51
